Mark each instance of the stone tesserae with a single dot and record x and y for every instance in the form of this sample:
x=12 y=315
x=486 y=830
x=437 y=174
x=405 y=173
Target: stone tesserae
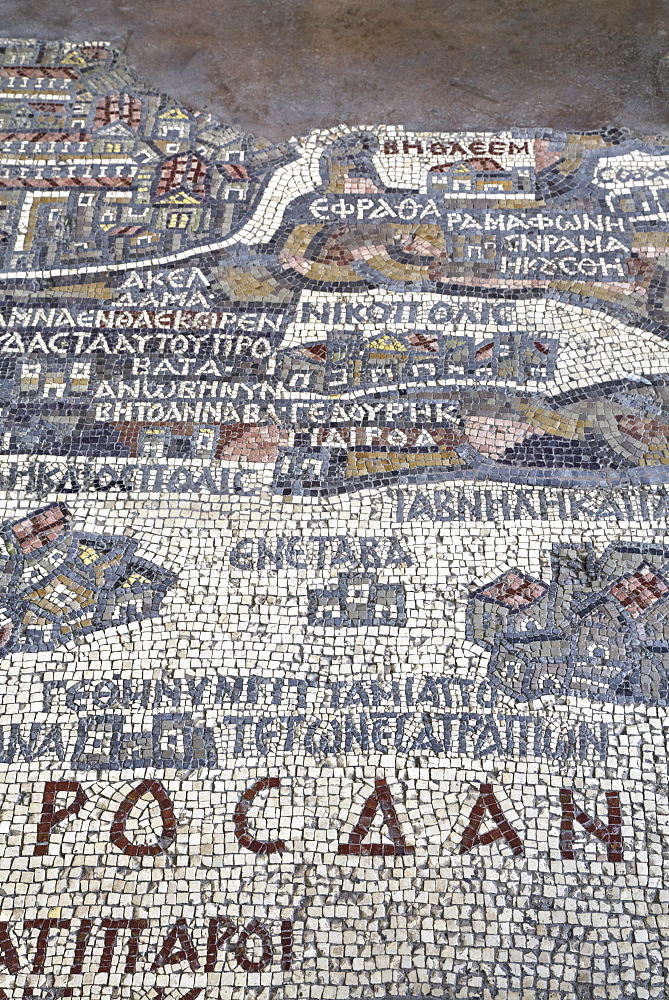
x=334 y=577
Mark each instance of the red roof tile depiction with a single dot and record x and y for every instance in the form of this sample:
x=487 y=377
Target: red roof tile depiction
x=41 y=72
x=44 y=136
x=127 y=230
x=185 y=171
x=49 y=183
x=118 y=107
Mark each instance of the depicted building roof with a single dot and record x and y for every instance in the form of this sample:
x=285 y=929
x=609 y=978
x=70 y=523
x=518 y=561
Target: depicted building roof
x=53 y=183
x=186 y=172
x=123 y=107
x=40 y=72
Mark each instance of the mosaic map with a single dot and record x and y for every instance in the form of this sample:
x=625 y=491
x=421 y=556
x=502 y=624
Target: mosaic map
x=334 y=569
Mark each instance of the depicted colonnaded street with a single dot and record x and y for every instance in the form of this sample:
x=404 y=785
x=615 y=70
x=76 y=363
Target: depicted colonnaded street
x=334 y=573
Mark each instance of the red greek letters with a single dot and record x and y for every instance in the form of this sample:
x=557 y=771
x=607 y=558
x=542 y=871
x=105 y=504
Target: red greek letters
x=380 y=798
x=81 y=943
x=487 y=803
x=242 y=834
x=446 y=147
x=124 y=946
x=8 y=954
x=253 y=928
x=187 y=953
x=44 y=927
x=610 y=834
x=51 y=816
x=216 y=938
x=112 y=928
x=169 y=831
x=286 y=945
x=485 y=824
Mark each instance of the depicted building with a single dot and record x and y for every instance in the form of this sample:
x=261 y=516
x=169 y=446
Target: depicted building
x=598 y=628
x=91 y=154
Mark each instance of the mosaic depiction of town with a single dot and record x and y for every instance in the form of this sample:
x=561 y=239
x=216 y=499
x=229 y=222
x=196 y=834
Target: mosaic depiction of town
x=334 y=580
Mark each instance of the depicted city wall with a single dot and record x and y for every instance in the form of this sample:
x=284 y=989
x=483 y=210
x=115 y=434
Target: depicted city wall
x=334 y=570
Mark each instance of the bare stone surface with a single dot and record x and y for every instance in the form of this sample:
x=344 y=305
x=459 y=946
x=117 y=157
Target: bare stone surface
x=285 y=67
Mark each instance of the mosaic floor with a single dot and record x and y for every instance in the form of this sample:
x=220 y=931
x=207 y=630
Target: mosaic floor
x=334 y=590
